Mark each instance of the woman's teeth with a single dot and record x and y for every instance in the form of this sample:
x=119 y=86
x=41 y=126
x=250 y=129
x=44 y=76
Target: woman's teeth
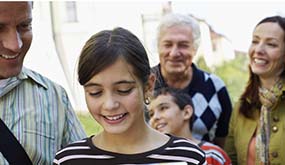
x=259 y=61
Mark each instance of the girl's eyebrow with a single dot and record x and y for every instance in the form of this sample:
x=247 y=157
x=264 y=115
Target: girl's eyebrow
x=116 y=83
x=125 y=82
x=91 y=84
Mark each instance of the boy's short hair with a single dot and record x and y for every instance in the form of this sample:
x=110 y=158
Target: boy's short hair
x=179 y=97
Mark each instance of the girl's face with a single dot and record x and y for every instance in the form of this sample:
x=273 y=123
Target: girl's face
x=267 y=50
x=115 y=97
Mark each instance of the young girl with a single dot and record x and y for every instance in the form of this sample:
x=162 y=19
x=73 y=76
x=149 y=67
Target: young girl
x=115 y=73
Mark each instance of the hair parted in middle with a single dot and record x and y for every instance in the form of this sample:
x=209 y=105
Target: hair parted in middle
x=105 y=47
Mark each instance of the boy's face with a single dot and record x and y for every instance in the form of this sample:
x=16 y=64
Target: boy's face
x=166 y=116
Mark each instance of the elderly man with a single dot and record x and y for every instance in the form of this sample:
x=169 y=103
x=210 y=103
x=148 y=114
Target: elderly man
x=35 y=111
x=178 y=41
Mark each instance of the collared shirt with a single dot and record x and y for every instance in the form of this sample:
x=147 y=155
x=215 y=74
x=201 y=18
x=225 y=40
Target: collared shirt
x=39 y=114
x=211 y=102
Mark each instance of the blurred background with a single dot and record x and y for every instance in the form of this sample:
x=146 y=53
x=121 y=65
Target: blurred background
x=62 y=27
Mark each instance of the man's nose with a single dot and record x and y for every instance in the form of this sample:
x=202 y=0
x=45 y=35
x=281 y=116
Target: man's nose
x=174 y=51
x=13 y=41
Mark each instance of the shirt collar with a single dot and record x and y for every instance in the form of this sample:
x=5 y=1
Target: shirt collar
x=27 y=73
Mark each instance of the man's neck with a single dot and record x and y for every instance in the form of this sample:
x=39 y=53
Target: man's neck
x=178 y=81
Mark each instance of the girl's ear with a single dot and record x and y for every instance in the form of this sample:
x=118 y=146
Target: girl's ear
x=187 y=112
x=149 y=87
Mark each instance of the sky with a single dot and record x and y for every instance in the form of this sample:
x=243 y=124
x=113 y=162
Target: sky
x=233 y=19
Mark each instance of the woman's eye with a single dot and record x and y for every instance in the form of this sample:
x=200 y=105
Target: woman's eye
x=254 y=42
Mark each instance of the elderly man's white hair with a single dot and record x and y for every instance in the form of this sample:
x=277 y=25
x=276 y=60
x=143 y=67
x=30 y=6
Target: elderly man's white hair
x=174 y=19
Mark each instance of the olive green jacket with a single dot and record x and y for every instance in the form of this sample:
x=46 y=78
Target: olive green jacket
x=241 y=129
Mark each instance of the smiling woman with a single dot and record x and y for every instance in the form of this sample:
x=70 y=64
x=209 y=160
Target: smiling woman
x=261 y=106
x=115 y=73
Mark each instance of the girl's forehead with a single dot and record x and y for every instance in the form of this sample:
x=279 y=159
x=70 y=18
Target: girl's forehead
x=120 y=70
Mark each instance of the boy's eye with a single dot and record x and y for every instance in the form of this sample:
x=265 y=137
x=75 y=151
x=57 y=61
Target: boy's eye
x=162 y=108
x=150 y=113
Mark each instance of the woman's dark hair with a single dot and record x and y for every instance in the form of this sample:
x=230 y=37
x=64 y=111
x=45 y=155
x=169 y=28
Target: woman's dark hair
x=106 y=47
x=179 y=97
x=249 y=100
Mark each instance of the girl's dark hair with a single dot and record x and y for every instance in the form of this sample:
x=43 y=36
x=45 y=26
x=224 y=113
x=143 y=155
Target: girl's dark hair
x=179 y=97
x=249 y=100
x=106 y=47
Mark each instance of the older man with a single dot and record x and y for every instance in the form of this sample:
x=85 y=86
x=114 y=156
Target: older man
x=178 y=41
x=34 y=109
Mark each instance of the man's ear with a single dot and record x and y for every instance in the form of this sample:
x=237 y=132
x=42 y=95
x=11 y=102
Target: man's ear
x=187 y=112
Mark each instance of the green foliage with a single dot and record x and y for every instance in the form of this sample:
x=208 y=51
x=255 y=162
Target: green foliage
x=202 y=64
x=90 y=126
x=234 y=73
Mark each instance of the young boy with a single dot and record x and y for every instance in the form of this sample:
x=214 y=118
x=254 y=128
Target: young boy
x=171 y=111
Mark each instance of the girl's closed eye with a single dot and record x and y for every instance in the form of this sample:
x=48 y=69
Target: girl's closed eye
x=125 y=91
x=95 y=93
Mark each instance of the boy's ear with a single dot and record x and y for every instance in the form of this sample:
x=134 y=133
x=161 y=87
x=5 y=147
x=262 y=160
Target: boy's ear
x=187 y=112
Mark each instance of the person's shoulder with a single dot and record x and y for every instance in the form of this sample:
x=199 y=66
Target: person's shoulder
x=211 y=146
x=185 y=149
x=73 y=150
x=76 y=145
x=155 y=69
x=40 y=79
x=212 y=76
x=214 y=152
x=185 y=144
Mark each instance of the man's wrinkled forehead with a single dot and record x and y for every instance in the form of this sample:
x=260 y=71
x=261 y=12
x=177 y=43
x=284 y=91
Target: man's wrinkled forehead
x=15 y=5
x=15 y=12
